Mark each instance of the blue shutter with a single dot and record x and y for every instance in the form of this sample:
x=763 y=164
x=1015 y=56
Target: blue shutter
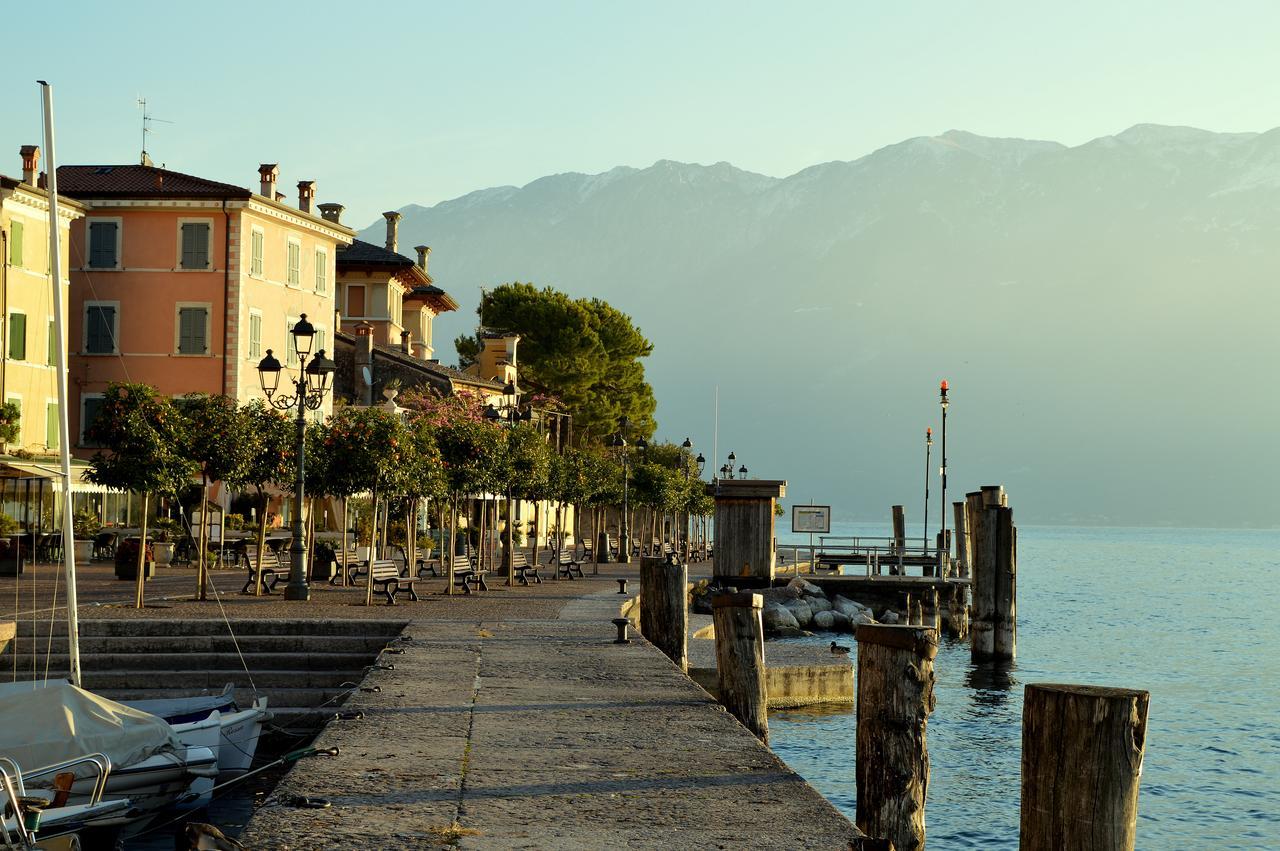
x=195 y=246
x=191 y=322
x=100 y=334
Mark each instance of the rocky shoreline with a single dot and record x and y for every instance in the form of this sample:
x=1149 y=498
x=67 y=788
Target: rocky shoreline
x=799 y=608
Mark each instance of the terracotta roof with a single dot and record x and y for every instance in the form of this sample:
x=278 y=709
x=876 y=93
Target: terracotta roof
x=140 y=181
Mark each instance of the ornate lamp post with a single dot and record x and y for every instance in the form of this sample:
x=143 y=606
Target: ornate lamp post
x=619 y=443
x=507 y=414
x=944 y=551
x=309 y=388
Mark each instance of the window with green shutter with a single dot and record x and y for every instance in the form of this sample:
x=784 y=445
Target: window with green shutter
x=191 y=330
x=322 y=272
x=17 y=336
x=294 y=265
x=255 y=335
x=195 y=245
x=15 y=243
x=90 y=405
x=100 y=329
x=102 y=245
x=51 y=425
x=255 y=254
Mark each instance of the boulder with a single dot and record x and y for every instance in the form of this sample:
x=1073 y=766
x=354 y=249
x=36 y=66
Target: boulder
x=840 y=622
x=889 y=616
x=824 y=620
x=818 y=604
x=780 y=595
x=777 y=618
x=800 y=610
x=848 y=607
x=860 y=618
x=806 y=588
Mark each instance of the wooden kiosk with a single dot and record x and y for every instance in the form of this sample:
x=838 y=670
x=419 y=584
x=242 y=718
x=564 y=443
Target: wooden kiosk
x=744 y=534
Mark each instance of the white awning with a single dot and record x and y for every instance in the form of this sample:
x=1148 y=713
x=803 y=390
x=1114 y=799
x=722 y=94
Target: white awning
x=51 y=471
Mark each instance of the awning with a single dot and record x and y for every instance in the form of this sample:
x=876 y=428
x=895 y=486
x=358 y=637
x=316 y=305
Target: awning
x=13 y=469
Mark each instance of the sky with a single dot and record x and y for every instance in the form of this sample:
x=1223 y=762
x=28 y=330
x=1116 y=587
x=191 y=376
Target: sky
x=391 y=103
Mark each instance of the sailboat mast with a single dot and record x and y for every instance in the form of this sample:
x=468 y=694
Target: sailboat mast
x=64 y=430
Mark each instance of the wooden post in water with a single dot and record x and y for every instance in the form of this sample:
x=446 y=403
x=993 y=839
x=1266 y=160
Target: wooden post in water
x=899 y=533
x=917 y=613
x=1005 y=641
x=962 y=539
x=958 y=621
x=895 y=696
x=932 y=617
x=1082 y=750
x=740 y=659
x=993 y=631
x=664 y=610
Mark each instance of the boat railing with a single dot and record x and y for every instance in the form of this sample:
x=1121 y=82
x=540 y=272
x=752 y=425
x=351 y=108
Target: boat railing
x=100 y=761
x=14 y=796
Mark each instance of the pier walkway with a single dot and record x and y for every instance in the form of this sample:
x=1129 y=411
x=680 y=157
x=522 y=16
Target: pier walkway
x=504 y=732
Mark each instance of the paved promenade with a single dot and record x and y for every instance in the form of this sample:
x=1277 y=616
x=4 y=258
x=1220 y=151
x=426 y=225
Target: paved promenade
x=506 y=732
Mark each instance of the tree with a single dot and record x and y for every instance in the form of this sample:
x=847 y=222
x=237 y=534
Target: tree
x=472 y=453
x=420 y=476
x=583 y=352
x=528 y=467
x=10 y=422
x=269 y=461
x=143 y=438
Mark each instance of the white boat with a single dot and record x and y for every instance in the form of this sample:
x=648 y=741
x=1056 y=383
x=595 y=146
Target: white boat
x=240 y=730
x=180 y=710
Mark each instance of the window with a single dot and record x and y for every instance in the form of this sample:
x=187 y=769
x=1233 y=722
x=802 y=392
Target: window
x=255 y=253
x=195 y=245
x=51 y=357
x=320 y=344
x=255 y=335
x=15 y=243
x=100 y=329
x=15 y=399
x=322 y=272
x=51 y=425
x=104 y=242
x=89 y=408
x=17 y=336
x=294 y=264
x=193 y=323
x=291 y=351
x=355 y=301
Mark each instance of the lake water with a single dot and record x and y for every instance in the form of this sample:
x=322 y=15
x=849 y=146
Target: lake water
x=1191 y=615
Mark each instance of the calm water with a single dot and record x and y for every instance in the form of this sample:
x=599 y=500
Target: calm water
x=1190 y=615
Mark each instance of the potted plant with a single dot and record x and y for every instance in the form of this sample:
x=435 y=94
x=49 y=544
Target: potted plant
x=165 y=531
x=85 y=522
x=127 y=559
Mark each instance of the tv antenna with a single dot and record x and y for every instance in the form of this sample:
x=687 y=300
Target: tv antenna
x=147 y=118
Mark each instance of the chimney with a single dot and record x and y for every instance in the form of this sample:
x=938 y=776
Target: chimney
x=405 y=337
x=280 y=197
x=306 y=193
x=268 y=172
x=364 y=363
x=424 y=254
x=30 y=163
x=393 y=229
x=332 y=213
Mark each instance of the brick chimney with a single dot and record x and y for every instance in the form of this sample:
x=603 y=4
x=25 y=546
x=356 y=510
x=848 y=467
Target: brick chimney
x=268 y=172
x=406 y=337
x=364 y=363
x=393 y=229
x=424 y=254
x=332 y=212
x=306 y=194
x=30 y=163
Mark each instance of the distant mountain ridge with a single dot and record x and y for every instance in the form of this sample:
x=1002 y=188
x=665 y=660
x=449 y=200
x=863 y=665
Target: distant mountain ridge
x=1102 y=310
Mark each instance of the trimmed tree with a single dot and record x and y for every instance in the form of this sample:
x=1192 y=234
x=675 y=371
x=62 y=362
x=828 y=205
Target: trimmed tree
x=269 y=462
x=527 y=469
x=472 y=453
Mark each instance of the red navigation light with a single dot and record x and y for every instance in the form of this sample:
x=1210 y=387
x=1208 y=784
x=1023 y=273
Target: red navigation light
x=928 y=432
x=944 y=385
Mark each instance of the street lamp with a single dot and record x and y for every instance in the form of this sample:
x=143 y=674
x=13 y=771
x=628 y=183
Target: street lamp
x=742 y=471
x=507 y=414
x=309 y=390
x=687 y=446
x=928 y=474
x=619 y=442
x=944 y=551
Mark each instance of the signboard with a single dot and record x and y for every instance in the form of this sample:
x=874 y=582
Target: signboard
x=814 y=519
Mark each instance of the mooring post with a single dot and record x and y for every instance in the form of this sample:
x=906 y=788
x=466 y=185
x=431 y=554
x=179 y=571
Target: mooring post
x=962 y=539
x=1082 y=750
x=993 y=631
x=932 y=616
x=958 y=622
x=664 y=610
x=740 y=659
x=917 y=613
x=1005 y=642
x=895 y=696
x=899 y=532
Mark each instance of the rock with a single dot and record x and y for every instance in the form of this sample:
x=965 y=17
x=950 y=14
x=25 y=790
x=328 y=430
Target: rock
x=848 y=607
x=806 y=588
x=800 y=610
x=818 y=604
x=780 y=595
x=839 y=621
x=860 y=618
x=777 y=618
x=889 y=616
x=791 y=632
x=824 y=620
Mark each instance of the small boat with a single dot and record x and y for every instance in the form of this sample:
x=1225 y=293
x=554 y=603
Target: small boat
x=241 y=728
x=33 y=818
x=181 y=710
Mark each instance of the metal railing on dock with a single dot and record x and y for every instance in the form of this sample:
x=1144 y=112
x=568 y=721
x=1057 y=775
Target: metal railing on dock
x=877 y=555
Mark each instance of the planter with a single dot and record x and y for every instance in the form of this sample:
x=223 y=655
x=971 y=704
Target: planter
x=84 y=552
x=129 y=569
x=12 y=565
x=164 y=552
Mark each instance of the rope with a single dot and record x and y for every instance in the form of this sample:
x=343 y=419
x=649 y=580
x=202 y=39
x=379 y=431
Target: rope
x=235 y=641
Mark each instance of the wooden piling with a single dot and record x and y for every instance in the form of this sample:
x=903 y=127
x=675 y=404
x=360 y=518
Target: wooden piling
x=895 y=696
x=1005 y=639
x=1082 y=751
x=958 y=620
x=899 y=528
x=664 y=610
x=740 y=659
x=932 y=617
x=962 y=539
x=917 y=614
x=993 y=630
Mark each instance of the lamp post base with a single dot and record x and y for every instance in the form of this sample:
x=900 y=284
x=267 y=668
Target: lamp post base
x=298 y=591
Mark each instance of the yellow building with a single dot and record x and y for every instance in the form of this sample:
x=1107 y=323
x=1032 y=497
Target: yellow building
x=27 y=351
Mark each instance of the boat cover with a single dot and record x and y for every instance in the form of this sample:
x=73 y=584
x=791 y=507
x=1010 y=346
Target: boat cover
x=47 y=725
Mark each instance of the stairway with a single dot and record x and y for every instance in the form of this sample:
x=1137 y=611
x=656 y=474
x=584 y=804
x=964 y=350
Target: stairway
x=305 y=668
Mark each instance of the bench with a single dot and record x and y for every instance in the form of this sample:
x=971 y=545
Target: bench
x=386 y=574
x=567 y=565
x=465 y=574
x=428 y=565
x=268 y=570
x=345 y=562
x=523 y=570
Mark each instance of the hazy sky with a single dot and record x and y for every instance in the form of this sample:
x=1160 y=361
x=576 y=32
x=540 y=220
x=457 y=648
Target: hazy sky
x=389 y=103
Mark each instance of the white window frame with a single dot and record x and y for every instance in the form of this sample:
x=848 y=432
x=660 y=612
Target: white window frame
x=193 y=220
x=208 y=328
x=88 y=243
x=84 y=397
x=115 y=329
x=289 y=242
x=254 y=313
x=261 y=234
x=321 y=272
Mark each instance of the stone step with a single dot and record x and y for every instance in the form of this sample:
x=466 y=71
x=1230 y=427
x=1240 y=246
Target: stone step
x=259 y=663
x=241 y=627
x=197 y=680
x=358 y=643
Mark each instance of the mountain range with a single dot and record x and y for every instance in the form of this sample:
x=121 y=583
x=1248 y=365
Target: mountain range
x=1106 y=315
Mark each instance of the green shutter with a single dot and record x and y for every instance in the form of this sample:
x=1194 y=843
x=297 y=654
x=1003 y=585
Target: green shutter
x=101 y=331
x=195 y=245
x=102 y=245
x=191 y=322
x=51 y=425
x=255 y=335
x=17 y=336
x=15 y=243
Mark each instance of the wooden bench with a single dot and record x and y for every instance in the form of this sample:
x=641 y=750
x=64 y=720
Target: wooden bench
x=269 y=570
x=523 y=570
x=346 y=562
x=428 y=565
x=465 y=574
x=386 y=574
x=567 y=565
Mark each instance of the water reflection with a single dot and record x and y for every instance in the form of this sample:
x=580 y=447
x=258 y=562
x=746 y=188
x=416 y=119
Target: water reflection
x=990 y=683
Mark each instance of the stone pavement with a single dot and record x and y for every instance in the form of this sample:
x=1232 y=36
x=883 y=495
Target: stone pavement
x=538 y=732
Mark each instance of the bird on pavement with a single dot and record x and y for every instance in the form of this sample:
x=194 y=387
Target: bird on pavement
x=839 y=649
x=206 y=836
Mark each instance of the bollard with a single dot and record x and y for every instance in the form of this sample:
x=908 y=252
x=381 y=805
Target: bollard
x=664 y=607
x=958 y=621
x=895 y=696
x=962 y=540
x=932 y=618
x=622 y=586
x=1082 y=750
x=740 y=659
x=917 y=613
x=622 y=624
x=994 y=542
